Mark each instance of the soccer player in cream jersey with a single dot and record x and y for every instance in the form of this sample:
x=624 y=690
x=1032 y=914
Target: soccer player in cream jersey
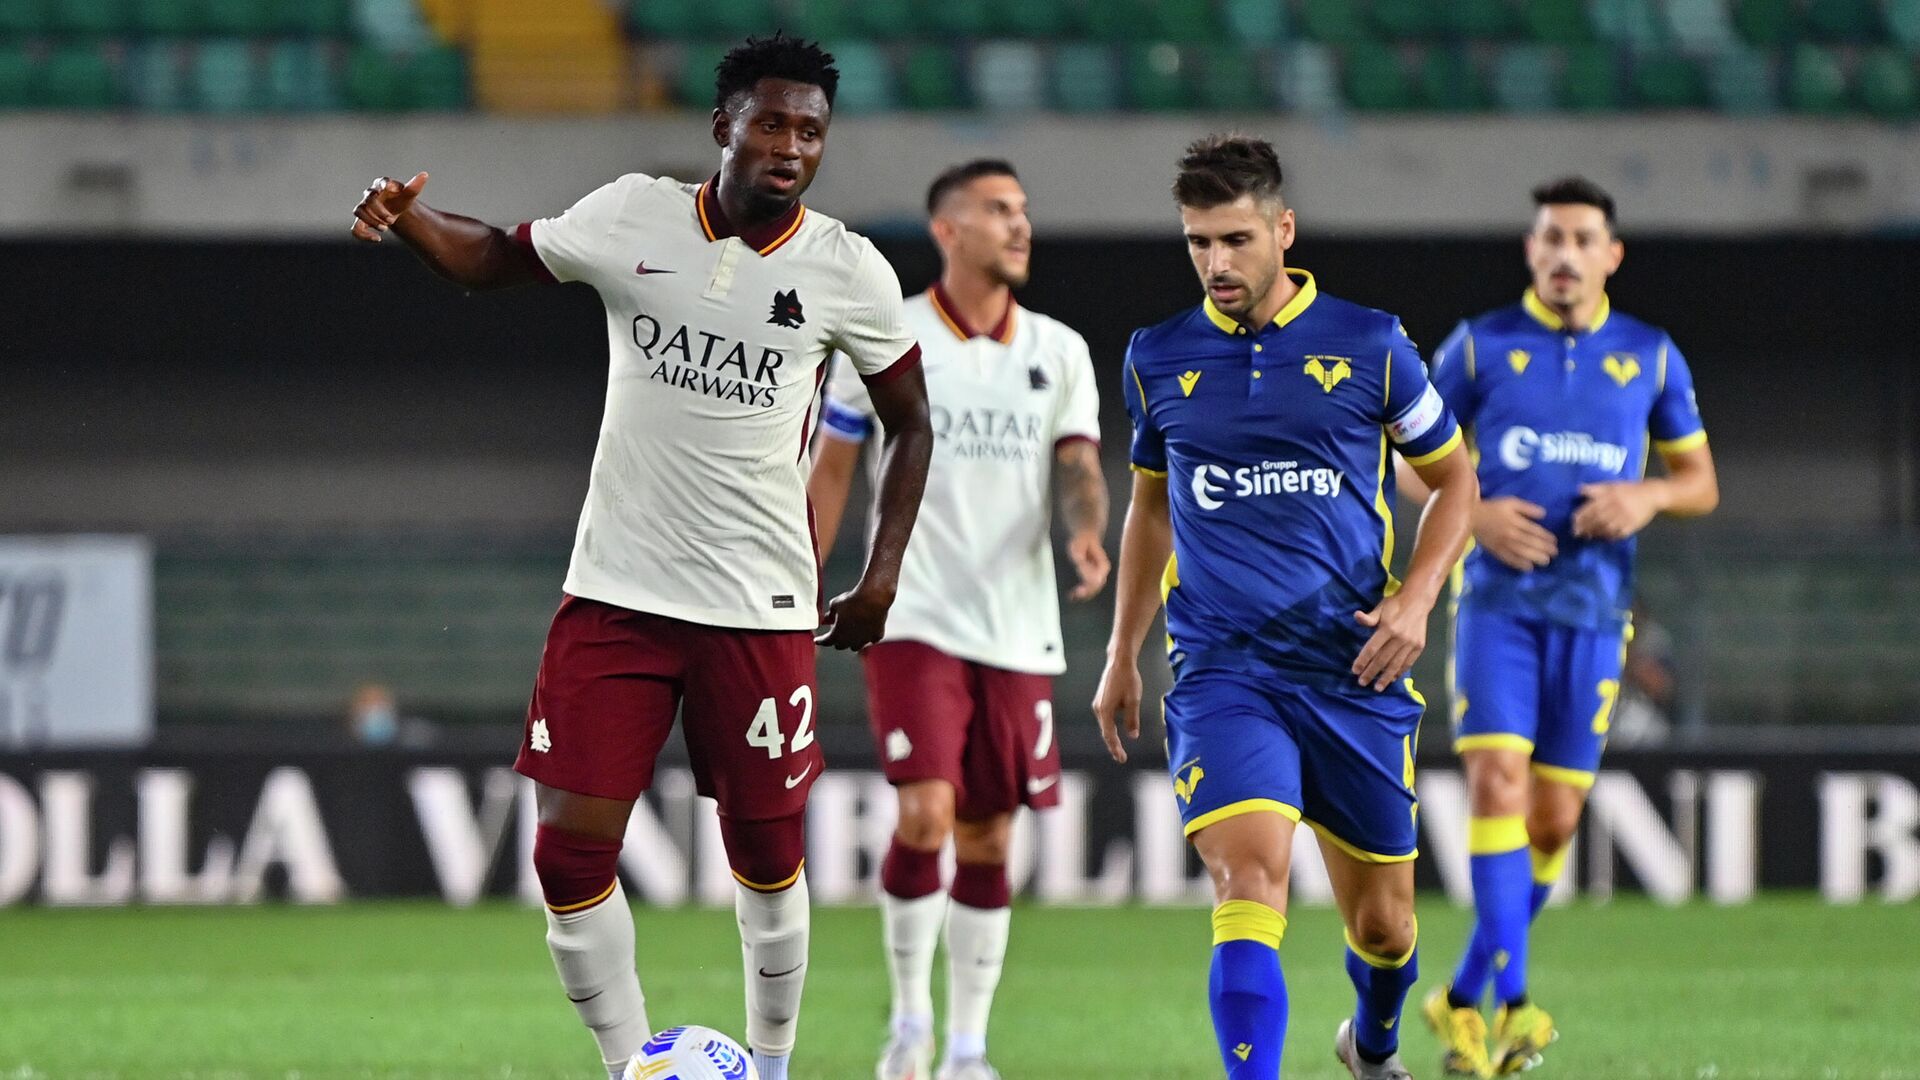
x=1261 y=505
x=694 y=585
x=1561 y=394
x=960 y=694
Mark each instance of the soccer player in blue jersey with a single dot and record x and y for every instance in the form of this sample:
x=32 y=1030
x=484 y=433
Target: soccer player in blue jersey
x=1260 y=515
x=1561 y=395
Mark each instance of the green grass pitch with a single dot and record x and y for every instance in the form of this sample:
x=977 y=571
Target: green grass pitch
x=1784 y=988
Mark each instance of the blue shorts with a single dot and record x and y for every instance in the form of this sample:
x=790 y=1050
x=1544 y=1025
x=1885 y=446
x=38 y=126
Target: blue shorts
x=1535 y=686
x=1339 y=760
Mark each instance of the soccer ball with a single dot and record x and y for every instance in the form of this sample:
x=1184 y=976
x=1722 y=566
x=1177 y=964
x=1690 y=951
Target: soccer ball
x=690 y=1053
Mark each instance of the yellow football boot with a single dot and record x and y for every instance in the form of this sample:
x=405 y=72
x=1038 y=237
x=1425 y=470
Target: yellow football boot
x=1462 y=1031
x=1520 y=1034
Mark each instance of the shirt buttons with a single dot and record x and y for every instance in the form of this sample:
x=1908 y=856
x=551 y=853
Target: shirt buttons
x=1259 y=348
x=1256 y=374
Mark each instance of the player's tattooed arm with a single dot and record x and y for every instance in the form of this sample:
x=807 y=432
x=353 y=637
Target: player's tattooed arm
x=469 y=253
x=1083 y=498
x=858 y=618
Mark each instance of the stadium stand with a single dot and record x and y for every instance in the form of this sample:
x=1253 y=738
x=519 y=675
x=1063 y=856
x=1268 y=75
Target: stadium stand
x=1740 y=57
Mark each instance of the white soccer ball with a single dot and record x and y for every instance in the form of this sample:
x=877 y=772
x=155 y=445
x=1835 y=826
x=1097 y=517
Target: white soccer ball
x=690 y=1053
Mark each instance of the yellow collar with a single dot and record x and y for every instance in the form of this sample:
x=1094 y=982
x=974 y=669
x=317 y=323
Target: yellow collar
x=1551 y=319
x=1307 y=294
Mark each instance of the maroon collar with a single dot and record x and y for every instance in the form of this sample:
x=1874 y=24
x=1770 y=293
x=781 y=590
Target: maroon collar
x=763 y=238
x=949 y=312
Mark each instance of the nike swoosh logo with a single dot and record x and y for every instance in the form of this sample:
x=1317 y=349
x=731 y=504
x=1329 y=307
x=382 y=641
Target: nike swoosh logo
x=765 y=974
x=1037 y=785
x=584 y=1000
x=794 y=781
x=644 y=270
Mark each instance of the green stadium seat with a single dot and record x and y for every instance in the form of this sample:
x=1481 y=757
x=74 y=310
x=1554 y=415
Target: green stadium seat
x=1700 y=26
x=374 y=80
x=949 y=19
x=931 y=79
x=1029 y=18
x=17 y=76
x=1008 y=76
x=1634 y=23
x=697 y=65
x=1667 y=81
x=87 y=16
x=157 y=76
x=1844 y=20
x=1742 y=81
x=883 y=19
x=223 y=76
x=1404 y=20
x=1903 y=23
x=1306 y=79
x=1336 y=22
x=670 y=19
x=165 y=18
x=23 y=17
x=1113 y=20
x=393 y=25
x=1886 y=84
x=1227 y=79
x=1375 y=79
x=1556 y=22
x=300 y=76
x=1186 y=21
x=1450 y=82
x=240 y=18
x=1156 y=77
x=1526 y=78
x=1086 y=78
x=1815 y=82
x=436 y=80
x=1479 y=18
x=820 y=20
x=1764 y=22
x=866 y=78
x=1592 y=80
x=80 y=77
x=312 y=18
x=1256 y=22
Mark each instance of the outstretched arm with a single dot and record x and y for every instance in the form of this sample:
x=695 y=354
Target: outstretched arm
x=1146 y=543
x=858 y=618
x=1083 y=510
x=469 y=253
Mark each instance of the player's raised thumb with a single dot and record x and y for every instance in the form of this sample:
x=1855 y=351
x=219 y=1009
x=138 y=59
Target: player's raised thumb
x=414 y=185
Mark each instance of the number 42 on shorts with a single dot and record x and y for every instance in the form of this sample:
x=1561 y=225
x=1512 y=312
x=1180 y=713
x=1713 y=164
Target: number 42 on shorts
x=765 y=733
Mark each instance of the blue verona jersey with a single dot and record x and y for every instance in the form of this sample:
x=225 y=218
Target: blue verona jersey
x=1274 y=443
x=1550 y=409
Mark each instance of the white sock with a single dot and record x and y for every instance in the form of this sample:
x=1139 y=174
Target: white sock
x=593 y=952
x=976 y=951
x=912 y=934
x=773 y=943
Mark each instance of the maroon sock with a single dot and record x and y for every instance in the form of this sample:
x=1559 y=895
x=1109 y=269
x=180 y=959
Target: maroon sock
x=575 y=870
x=765 y=855
x=909 y=873
x=981 y=885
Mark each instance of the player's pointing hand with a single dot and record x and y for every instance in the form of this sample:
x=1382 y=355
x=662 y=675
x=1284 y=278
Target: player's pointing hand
x=384 y=202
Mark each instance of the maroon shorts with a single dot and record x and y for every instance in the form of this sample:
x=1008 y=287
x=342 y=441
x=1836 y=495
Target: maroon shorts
x=611 y=680
x=985 y=730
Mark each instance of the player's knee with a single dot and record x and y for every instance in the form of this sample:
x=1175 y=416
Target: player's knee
x=1497 y=784
x=1259 y=879
x=765 y=855
x=575 y=870
x=1383 y=930
x=988 y=841
x=1550 y=828
x=926 y=816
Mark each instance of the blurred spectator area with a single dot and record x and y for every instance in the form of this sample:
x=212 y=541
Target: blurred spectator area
x=1819 y=57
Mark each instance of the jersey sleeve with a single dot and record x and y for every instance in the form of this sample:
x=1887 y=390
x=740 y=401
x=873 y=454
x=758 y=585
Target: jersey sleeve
x=848 y=412
x=873 y=334
x=1416 y=417
x=1077 y=412
x=1675 y=424
x=569 y=246
x=1455 y=374
x=1148 y=452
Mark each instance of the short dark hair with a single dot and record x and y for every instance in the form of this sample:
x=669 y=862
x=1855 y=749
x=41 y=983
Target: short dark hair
x=776 y=57
x=1575 y=191
x=1221 y=168
x=958 y=176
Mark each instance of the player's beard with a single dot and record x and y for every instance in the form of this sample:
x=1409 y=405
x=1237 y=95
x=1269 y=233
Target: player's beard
x=1010 y=276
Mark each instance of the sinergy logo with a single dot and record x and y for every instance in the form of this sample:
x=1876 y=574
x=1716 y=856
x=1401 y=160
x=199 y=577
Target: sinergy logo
x=1211 y=482
x=1520 y=447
